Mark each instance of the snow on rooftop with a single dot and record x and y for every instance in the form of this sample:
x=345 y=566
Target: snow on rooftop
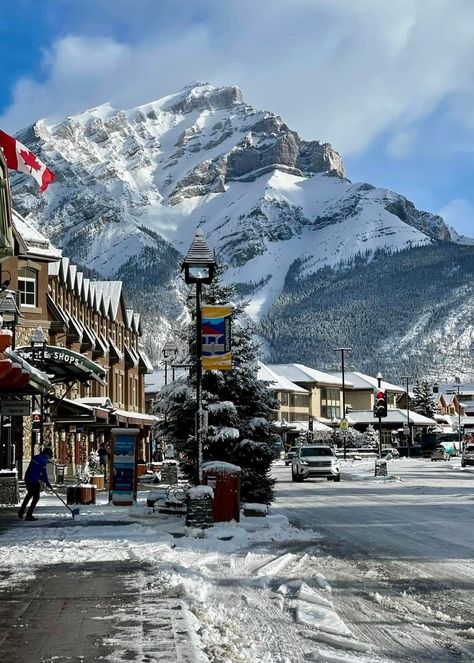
x=35 y=242
x=277 y=382
x=302 y=373
x=357 y=380
x=394 y=416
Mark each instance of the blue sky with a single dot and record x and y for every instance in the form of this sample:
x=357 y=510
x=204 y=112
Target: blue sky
x=389 y=84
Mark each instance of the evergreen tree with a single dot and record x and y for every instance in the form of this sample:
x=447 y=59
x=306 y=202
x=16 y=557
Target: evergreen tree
x=238 y=404
x=371 y=437
x=423 y=401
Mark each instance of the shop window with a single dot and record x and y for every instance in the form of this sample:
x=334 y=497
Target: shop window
x=28 y=286
x=299 y=400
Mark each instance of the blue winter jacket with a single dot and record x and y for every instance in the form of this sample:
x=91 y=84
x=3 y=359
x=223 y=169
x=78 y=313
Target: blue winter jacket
x=37 y=469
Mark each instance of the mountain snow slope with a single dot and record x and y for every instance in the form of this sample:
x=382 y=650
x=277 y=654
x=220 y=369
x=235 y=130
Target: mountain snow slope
x=134 y=185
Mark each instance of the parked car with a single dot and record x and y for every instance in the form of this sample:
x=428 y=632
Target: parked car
x=315 y=461
x=290 y=454
x=390 y=454
x=467 y=457
x=440 y=453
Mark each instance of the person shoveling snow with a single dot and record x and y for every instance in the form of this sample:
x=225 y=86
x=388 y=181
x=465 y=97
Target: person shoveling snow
x=35 y=473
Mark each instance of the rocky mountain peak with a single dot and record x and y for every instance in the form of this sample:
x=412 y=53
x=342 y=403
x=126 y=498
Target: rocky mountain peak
x=203 y=96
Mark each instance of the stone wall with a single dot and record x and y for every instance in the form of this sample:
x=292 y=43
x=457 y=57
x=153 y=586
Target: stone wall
x=9 y=491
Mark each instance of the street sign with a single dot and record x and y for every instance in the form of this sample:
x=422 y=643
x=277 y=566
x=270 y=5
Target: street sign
x=343 y=425
x=15 y=408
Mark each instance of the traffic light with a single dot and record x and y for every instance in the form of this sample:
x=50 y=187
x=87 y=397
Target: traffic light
x=380 y=403
x=36 y=421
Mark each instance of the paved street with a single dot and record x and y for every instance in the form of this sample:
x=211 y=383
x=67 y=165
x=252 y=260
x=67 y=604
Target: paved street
x=400 y=550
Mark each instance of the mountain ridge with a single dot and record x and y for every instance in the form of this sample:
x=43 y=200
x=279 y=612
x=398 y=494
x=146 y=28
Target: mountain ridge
x=137 y=183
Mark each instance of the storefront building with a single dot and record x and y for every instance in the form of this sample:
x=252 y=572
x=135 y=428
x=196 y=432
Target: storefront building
x=81 y=334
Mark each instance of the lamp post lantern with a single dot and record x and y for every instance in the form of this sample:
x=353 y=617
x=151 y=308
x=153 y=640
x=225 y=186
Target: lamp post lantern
x=199 y=266
x=9 y=312
x=343 y=351
x=408 y=378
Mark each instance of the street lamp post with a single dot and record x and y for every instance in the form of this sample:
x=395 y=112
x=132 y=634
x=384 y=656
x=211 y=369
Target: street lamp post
x=38 y=341
x=408 y=378
x=199 y=266
x=169 y=352
x=342 y=351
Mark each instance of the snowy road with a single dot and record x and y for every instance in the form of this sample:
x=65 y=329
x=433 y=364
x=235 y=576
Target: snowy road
x=399 y=553
x=380 y=571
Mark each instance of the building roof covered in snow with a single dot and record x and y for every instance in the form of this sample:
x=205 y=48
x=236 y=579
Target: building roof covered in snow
x=361 y=381
x=32 y=242
x=277 y=382
x=302 y=373
x=394 y=416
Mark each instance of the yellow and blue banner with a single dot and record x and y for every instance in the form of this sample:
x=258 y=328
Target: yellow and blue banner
x=216 y=338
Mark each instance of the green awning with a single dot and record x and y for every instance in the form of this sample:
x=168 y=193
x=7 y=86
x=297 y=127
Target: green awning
x=62 y=364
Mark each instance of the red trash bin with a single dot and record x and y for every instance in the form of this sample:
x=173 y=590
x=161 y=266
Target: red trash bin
x=224 y=479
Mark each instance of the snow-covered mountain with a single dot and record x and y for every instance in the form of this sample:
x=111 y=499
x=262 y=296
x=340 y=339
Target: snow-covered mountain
x=134 y=185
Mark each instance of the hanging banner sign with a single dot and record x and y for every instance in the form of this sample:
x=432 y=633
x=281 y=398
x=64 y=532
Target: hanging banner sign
x=123 y=488
x=216 y=338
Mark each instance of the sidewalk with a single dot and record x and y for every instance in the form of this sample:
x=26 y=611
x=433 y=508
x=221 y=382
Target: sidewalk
x=86 y=611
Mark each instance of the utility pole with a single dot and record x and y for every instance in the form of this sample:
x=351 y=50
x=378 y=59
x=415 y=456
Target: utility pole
x=457 y=385
x=408 y=378
x=342 y=351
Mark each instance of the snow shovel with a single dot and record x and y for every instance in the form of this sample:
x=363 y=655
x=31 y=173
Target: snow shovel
x=74 y=512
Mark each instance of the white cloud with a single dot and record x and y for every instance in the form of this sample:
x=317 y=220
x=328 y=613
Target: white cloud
x=401 y=144
x=459 y=213
x=340 y=71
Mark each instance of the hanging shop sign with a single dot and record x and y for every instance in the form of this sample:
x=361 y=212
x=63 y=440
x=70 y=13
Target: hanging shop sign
x=62 y=363
x=123 y=488
x=216 y=338
x=15 y=408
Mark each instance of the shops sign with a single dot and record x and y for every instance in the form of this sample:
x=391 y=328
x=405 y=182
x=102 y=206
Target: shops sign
x=55 y=358
x=15 y=408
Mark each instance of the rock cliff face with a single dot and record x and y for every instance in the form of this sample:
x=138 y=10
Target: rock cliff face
x=132 y=186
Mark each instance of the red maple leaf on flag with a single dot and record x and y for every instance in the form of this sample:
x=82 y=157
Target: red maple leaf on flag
x=30 y=160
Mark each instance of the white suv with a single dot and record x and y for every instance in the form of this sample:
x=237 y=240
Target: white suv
x=315 y=461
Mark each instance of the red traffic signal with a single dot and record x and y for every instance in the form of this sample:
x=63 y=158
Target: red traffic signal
x=380 y=403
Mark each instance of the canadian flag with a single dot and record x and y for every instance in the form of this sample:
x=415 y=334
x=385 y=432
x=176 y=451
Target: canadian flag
x=19 y=157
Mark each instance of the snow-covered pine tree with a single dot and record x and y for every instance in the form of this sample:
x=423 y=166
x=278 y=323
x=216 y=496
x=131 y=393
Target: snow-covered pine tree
x=371 y=437
x=423 y=401
x=238 y=404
